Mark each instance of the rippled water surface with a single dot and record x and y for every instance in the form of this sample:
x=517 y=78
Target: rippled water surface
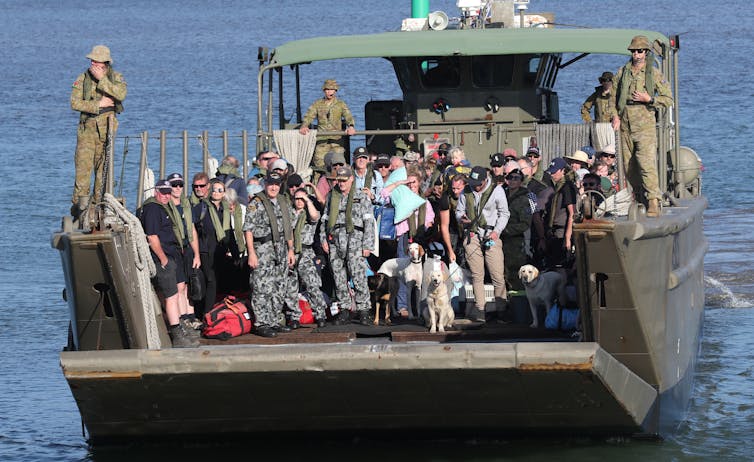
x=191 y=65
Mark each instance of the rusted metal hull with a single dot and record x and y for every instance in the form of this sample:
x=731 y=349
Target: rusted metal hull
x=573 y=388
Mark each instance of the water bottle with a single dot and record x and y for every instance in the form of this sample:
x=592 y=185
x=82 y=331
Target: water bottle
x=334 y=309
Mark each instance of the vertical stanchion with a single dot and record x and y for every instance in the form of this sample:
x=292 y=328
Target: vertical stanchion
x=142 y=168
x=184 y=138
x=205 y=150
x=163 y=137
x=225 y=143
x=245 y=148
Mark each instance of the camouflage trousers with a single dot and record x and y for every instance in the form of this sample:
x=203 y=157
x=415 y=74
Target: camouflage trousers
x=322 y=148
x=347 y=260
x=306 y=278
x=267 y=293
x=90 y=157
x=515 y=258
x=639 y=151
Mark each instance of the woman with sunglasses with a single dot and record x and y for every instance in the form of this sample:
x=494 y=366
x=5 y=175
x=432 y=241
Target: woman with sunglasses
x=212 y=220
x=519 y=222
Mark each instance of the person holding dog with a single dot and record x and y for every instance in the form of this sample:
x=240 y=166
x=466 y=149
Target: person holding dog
x=348 y=240
x=483 y=211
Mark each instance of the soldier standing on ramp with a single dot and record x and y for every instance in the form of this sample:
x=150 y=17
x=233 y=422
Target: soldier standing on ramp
x=641 y=89
x=330 y=113
x=269 y=239
x=348 y=240
x=97 y=94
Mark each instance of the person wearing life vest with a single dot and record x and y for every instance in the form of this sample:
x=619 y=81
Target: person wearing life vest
x=269 y=242
x=483 y=212
x=348 y=238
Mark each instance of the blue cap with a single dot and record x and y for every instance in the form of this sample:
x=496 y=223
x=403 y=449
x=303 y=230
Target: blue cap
x=556 y=164
x=589 y=151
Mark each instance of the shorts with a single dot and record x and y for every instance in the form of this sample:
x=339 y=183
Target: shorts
x=181 y=260
x=166 y=278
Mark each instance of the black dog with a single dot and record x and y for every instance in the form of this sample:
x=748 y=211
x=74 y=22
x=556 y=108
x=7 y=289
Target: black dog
x=383 y=291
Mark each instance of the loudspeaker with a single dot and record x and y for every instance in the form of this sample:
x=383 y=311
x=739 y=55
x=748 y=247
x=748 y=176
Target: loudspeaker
x=438 y=20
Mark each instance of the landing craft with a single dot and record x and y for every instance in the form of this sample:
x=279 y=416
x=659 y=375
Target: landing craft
x=627 y=371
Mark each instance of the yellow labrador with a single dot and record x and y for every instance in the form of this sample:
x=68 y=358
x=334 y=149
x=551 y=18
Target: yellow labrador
x=441 y=314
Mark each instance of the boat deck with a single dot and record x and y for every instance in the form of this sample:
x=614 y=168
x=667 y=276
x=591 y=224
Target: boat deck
x=403 y=332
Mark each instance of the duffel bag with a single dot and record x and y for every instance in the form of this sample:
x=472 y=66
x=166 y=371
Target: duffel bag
x=229 y=318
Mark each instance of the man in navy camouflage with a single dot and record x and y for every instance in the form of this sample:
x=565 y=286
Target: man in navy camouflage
x=640 y=90
x=97 y=94
x=348 y=239
x=269 y=240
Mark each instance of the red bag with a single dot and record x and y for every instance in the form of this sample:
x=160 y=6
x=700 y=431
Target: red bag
x=229 y=318
x=306 y=310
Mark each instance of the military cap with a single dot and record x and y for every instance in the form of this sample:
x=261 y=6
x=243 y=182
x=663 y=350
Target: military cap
x=497 y=160
x=343 y=173
x=163 y=186
x=556 y=164
x=640 y=42
x=606 y=76
x=175 y=178
x=330 y=84
x=273 y=178
x=100 y=53
x=411 y=156
x=361 y=151
x=337 y=158
x=477 y=176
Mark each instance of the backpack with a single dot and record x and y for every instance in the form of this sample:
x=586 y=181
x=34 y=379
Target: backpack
x=229 y=318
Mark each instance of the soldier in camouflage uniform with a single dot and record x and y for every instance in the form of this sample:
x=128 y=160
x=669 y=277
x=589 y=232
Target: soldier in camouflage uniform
x=305 y=277
x=602 y=100
x=348 y=238
x=641 y=89
x=269 y=240
x=98 y=95
x=330 y=113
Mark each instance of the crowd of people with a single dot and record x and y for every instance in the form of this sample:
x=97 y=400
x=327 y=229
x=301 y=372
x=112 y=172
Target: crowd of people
x=276 y=238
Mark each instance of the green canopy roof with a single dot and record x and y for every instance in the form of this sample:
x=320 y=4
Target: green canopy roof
x=459 y=42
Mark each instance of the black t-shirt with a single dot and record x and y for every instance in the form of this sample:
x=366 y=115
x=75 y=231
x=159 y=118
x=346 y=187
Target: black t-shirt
x=444 y=204
x=156 y=222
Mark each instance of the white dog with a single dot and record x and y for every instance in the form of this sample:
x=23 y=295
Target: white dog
x=438 y=303
x=410 y=269
x=542 y=290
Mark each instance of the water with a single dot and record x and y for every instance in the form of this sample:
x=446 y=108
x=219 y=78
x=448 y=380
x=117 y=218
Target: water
x=191 y=65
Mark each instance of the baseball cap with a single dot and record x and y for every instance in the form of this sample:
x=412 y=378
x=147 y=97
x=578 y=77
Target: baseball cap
x=279 y=164
x=533 y=150
x=497 y=160
x=361 y=151
x=295 y=180
x=337 y=158
x=557 y=163
x=163 y=186
x=411 y=156
x=343 y=173
x=589 y=151
x=273 y=178
x=477 y=176
x=382 y=159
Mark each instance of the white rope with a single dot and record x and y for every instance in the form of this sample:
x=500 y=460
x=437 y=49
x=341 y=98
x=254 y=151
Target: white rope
x=144 y=266
x=148 y=183
x=296 y=148
x=603 y=135
x=212 y=167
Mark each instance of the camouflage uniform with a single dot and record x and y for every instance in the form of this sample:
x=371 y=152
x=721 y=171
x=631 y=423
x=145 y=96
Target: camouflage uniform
x=513 y=236
x=305 y=274
x=638 y=132
x=267 y=293
x=346 y=257
x=604 y=106
x=329 y=115
x=92 y=131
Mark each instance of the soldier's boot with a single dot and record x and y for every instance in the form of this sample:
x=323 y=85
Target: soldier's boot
x=80 y=207
x=343 y=317
x=190 y=330
x=653 y=208
x=181 y=338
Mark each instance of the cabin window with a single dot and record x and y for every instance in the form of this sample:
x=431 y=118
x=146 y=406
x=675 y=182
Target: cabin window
x=442 y=72
x=492 y=71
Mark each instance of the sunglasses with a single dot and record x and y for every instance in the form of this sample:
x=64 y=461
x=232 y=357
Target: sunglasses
x=383 y=166
x=533 y=155
x=639 y=51
x=590 y=185
x=176 y=185
x=612 y=156
x=339 y=164
x=197 y=186
x=218 y=190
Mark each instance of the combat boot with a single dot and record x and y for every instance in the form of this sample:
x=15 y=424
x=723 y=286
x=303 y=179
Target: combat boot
x=189 y=329
x=181 y=338
x=653 y=208
x=343 y=317
x=365 y=319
